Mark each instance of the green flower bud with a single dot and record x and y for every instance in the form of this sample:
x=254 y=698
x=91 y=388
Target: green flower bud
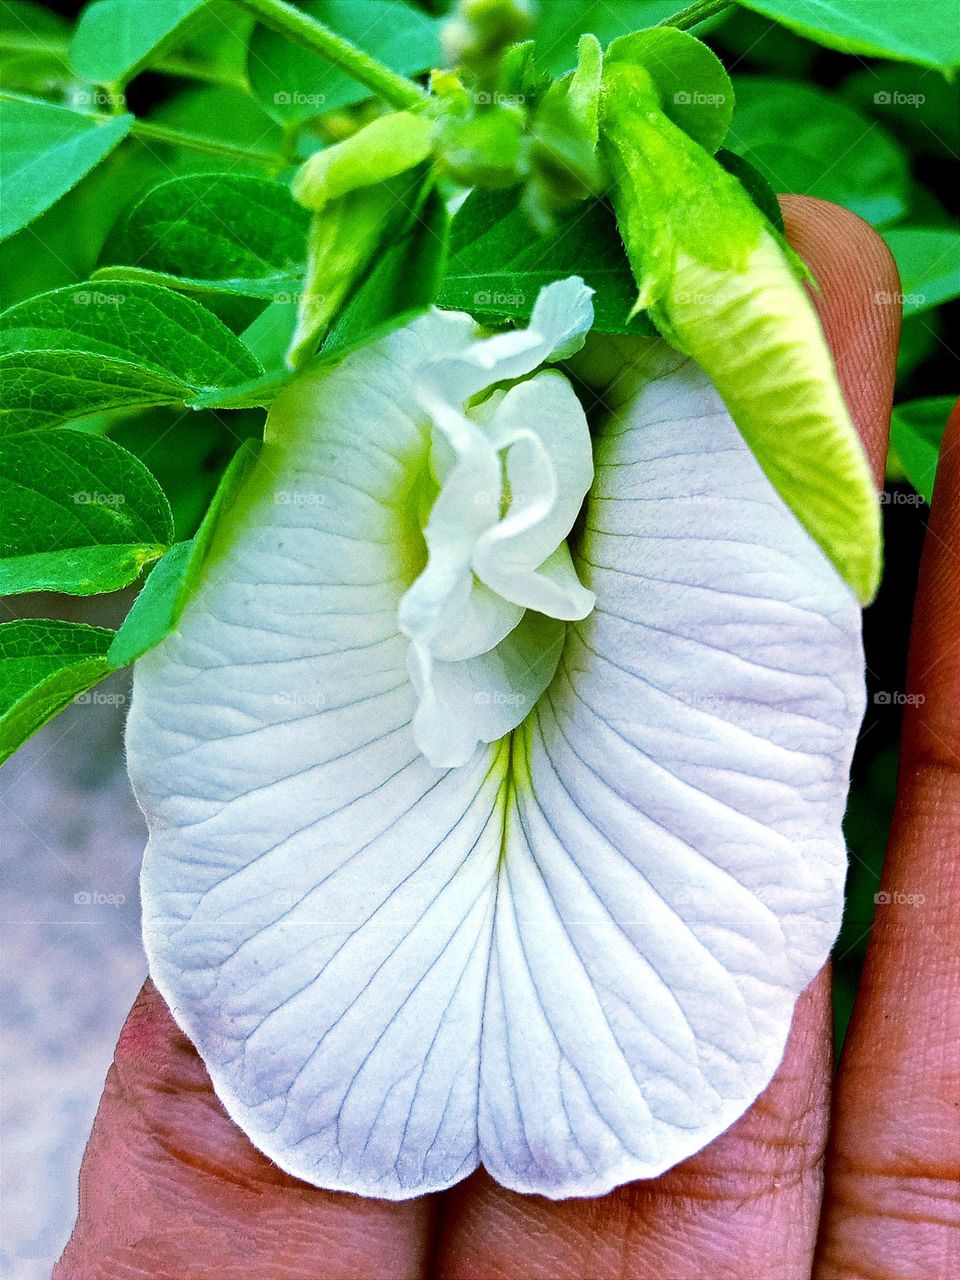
x=484 y=149
x=719 y=287
x=380 y=150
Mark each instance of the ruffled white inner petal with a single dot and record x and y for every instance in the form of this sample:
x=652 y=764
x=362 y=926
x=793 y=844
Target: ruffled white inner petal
x=513 y=469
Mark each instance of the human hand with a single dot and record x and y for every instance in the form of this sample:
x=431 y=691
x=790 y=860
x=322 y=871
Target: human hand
x=172 y=1190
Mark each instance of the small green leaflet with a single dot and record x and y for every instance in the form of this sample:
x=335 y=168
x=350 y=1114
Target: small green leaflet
x=44 y=665
x=77 y=514
x=497 y=264
x=916 y=430
x=115 y=38
x=927 y=34
x=294 y=83
x=212 y=232
x=78 y=351
x=46 y=151
x=787 y=130
x=171 y=583
x=928 y=259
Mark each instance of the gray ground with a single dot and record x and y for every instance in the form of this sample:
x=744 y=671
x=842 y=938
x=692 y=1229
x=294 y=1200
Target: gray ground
x=71 y=838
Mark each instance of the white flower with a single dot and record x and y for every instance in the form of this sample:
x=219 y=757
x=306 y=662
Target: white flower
x=573 y=958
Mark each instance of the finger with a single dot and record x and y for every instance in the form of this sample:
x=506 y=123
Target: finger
x=748 y=1204
x=893 y=1190
x=171 y=1189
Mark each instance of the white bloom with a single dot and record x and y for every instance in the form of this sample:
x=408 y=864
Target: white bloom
x=575 y=957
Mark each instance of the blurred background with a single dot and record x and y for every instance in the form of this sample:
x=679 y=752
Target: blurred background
x=879 y=137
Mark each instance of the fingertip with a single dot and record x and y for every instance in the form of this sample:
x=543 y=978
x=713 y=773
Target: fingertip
x=859 y=308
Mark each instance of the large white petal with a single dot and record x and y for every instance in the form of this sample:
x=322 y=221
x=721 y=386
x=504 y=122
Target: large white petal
x=673 y=869
x=575 y=957
x=318 y=900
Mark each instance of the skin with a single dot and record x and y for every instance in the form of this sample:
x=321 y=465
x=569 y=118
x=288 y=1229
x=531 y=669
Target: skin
x=171 y=1189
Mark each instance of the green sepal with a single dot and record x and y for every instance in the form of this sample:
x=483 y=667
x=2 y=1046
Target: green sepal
x=157 y=609
x=691 y=85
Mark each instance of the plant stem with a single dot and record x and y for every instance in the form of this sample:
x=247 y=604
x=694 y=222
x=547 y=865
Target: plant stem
x=699 y=11
x=398 y=90
x=149 y=132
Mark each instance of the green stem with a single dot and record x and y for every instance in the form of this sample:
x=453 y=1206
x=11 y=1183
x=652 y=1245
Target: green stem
x=699 y=11
x=398 y=90
x=149 y=132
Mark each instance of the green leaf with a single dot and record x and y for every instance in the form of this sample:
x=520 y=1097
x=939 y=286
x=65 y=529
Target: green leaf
x=186 y=454
x=916 y=430
x=560 y=25
x=212 y=232
x=295 y=84
x=810 y=142
x=877 y=28
x=907 y=100
x=694 y=89
x=497 y=265
x=115 y=38
x=77 y=514
x=46 y=151
x=928 y=259
x=159 y=605
x=78 y=351
x=44 y=664
x=33 y=45
x=223 y=114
